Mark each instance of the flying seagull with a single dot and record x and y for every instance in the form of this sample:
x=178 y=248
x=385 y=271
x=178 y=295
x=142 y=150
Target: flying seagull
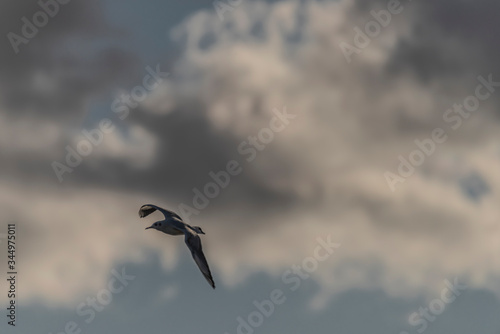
x=173 y=225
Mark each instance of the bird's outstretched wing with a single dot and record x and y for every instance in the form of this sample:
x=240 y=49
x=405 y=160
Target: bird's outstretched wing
x=148 y=209
x=193 y=242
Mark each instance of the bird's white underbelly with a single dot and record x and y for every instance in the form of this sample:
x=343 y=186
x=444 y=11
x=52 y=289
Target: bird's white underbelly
x=171 y=230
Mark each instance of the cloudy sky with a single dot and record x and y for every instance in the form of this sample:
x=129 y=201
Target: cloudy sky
x=372 y=126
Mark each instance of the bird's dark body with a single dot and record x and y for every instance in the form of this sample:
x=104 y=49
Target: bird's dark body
x=173 y=225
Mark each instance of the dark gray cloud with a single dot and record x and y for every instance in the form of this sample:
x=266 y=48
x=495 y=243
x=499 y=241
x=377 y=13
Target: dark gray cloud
x=70 y=59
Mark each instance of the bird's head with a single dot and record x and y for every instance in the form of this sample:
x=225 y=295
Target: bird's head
x=155 y=226
x=198 y=230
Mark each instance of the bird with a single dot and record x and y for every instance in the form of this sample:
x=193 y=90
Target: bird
x=174 y=225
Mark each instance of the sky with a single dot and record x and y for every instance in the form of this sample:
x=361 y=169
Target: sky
x=341 y=156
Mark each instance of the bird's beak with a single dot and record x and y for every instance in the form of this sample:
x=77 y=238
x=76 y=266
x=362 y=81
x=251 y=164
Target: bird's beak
x=147 y=228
